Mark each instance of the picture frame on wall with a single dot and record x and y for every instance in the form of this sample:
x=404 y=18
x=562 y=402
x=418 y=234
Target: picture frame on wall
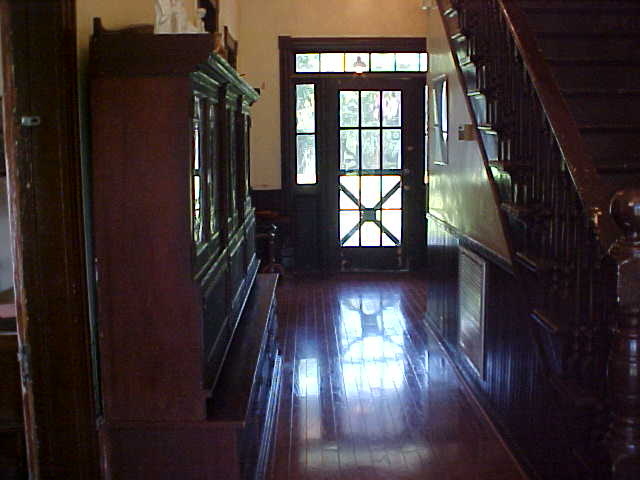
x=440 y=105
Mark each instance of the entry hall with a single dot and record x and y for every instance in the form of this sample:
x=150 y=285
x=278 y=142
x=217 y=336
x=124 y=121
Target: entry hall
x=368 y=393
x=320 y=239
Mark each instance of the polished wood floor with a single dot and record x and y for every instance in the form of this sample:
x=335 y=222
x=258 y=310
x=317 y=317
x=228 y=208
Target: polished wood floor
x=368 y=394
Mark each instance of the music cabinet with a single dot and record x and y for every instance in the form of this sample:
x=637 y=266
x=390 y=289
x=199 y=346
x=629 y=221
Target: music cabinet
x=188 y=358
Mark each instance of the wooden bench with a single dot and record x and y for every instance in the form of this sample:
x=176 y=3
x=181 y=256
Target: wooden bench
x=246 y=393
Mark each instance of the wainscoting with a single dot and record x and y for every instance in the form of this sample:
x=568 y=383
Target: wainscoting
x=515 y=390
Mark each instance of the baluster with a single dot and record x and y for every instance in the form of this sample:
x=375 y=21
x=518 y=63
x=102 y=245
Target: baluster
x=623 y=368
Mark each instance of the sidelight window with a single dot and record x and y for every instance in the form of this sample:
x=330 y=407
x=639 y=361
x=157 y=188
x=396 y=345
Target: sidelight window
x=305 y=134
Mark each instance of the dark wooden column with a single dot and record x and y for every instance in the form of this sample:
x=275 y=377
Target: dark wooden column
x=43 y=173
x=624 y=361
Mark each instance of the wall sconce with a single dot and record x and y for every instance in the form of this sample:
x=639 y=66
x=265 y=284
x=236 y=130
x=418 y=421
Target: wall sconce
x=359 y=66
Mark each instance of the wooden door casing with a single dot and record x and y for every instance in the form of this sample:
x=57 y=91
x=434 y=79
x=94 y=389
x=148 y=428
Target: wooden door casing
x=43 y=168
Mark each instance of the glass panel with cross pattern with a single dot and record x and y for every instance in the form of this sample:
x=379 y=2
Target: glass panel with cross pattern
x=370 y=210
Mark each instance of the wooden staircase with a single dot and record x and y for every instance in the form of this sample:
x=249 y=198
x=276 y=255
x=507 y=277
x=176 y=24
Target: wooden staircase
x=592 y=48
x=554 y=87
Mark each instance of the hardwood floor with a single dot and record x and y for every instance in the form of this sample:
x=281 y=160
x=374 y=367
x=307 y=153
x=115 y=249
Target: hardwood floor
x=368 y=394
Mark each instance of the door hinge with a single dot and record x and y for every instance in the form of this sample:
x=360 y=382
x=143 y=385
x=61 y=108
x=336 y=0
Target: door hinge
x=24 y=358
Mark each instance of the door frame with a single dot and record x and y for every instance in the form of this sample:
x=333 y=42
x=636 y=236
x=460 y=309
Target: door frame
x=47 y=235
x=301 y=201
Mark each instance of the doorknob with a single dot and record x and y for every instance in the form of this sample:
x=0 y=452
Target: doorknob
x=406 y=171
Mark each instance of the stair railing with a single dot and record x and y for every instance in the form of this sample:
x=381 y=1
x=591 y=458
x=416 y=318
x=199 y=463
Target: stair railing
x=582 y=245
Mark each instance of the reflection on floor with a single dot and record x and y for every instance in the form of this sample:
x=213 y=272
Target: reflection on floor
x=367 y=394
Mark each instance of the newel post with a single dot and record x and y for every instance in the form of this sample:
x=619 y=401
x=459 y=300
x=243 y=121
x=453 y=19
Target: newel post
x=624 y=360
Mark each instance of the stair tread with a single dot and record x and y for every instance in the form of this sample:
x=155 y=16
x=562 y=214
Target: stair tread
x=619 y=168
x=520 y=211
x=600 y=91
x=466 y=62
x=573 y=9
x=546 y=320
x=592 y=61
x=535 y=263
x=508 y=166
x=589 y=35
x=474 y=92
x=609 y=128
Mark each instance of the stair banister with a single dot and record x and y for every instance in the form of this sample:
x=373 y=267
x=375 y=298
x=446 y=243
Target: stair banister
x=614 y=233
x=582 y=169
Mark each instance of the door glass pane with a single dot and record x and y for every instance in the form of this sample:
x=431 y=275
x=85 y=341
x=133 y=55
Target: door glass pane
x=305 y=109
x=371 y=149
x=392 y=148
x=349 y=109
x=348 y=222
x=346 y=202
x=349 y=149
x=351 y=183
x=426 y=134
x=383 y=62
x=307 y=62
x=392 y=221
x=197 y=194
x=387 y=241
x=424 y=62
x=306 y=159
x=213 y=170
x=197 y=132
x=370 y=109
x=391 y=190
x=197 y=210
x=407 y=62
x=391 y=105
x=370 y=196
x=370 y=212
x=332 y=62
x=370 y=235
x=394 y=200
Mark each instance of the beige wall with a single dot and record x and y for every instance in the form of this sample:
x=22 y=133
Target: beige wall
x=260 y=25
x=460 y=193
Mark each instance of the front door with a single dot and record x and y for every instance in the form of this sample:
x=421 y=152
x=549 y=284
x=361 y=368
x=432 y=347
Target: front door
x=374 y=173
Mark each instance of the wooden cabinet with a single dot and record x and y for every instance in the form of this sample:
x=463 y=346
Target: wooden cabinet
x=174 y=240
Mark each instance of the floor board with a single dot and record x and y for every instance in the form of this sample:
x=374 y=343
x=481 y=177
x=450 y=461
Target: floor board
x=368 y=394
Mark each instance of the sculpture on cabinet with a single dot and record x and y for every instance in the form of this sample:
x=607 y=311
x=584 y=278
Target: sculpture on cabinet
x=171 y=17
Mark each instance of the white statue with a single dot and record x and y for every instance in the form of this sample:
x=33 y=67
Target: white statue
x=171 y=17
x=201 y=13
